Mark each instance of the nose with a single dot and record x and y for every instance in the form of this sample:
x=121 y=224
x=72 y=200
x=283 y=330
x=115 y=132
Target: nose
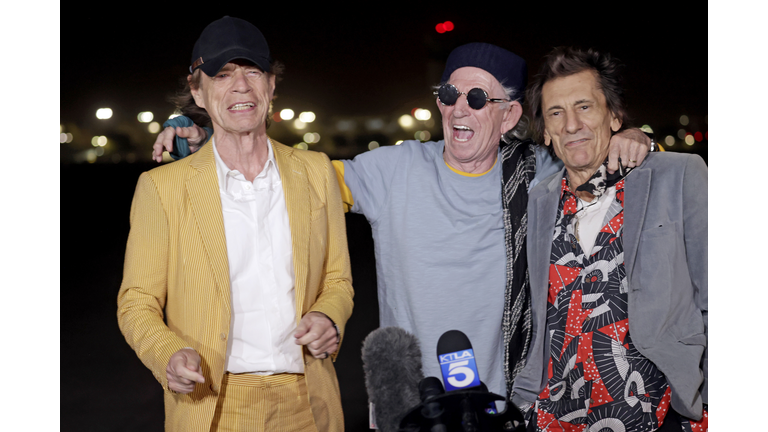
x=240 y=83
x=461 y=107
x=572 y=123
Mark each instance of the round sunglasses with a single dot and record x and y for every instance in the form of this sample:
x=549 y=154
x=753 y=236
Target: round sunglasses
x=476 y=98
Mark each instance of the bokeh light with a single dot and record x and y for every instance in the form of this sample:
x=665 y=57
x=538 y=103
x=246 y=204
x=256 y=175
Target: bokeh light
x=422 y=114
x=103 y=113
x=373 y=145
x=145 y=117
x=405 y=121
x=154 y=127
x=287 y=114
x=684 y=120
x=307 y=116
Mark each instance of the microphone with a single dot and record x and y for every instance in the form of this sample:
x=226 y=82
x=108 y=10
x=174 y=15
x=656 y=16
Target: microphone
x=392 y=366
x=457 y=361
x=466 y=405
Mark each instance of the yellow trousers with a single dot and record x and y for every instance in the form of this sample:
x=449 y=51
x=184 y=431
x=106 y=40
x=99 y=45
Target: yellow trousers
x=273 y=403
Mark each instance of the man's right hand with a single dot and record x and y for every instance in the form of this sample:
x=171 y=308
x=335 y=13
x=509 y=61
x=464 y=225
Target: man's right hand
x=164 y=142
x=183 y=371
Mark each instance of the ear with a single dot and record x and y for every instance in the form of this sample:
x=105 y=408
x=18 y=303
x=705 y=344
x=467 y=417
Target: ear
x=615 y=123
x=511 y=116
x=271 y=86
x=547 y=138
x=196 y=93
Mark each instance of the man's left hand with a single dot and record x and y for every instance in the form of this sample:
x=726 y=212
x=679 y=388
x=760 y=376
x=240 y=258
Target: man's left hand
x=317 y=332
x=632 y=145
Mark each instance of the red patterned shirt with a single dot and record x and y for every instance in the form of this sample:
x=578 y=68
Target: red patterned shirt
x=597 y=379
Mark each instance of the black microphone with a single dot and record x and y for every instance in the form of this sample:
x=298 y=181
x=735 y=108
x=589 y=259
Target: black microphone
x=457 y=361
x=392 y=366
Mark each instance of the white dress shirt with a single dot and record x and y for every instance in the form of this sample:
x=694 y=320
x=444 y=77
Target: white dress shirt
x=591 y=218
x=261 y=275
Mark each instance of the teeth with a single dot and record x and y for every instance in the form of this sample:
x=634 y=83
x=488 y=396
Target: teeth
x=461 y=128
x=242 y=106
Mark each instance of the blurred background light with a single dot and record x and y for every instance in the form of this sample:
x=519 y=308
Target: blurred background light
x=301 y=145
x=698 y=136
x=298 y=124
x=405 y=121
x=307 y=116
x=684 y=120
x=286 y=114
x=99 y=141
x=669 y=140
x=103 y=113
x=145 y=117
x=373 y=145
x=311 y=137
x=681 y=134
x=422 y=114
x=65 y=138
x=346 y=125
x=689 y=140
x=399 y=142
x=374 y=124
x=154 y=127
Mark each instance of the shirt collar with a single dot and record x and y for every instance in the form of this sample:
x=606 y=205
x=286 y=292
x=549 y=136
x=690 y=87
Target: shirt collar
x=601 y=180
x=224 y=172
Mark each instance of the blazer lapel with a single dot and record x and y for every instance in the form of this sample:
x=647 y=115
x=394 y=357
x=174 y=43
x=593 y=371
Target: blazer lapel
x=293 y=175
x=544 y=219
x=205 y=200
x=637 y=188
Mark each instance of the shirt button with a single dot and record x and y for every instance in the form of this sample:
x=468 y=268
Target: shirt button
x=589 y=359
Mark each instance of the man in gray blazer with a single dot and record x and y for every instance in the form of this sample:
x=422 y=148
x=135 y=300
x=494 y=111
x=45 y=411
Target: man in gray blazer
x=618 y=268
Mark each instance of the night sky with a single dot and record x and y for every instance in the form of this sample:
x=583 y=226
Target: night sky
x=372 y=60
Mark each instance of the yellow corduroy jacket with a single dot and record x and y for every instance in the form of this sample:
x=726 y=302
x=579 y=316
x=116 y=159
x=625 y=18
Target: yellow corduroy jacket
x=175 y=291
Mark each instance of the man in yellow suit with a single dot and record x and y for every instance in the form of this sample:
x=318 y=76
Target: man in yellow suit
x=237 y=282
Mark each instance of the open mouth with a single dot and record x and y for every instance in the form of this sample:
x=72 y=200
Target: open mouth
x=462 y=133
x=241 y=106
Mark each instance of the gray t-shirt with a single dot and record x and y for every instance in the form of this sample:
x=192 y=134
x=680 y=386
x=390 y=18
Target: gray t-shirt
x=439 y=247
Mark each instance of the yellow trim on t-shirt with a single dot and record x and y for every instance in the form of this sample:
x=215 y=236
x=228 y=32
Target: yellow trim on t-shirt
x=466 y=174
x=346 y=194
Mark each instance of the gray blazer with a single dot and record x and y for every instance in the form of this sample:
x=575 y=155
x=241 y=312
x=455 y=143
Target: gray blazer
x=665 y=255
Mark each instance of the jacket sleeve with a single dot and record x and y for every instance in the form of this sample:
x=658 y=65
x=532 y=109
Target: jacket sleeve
x=335 y=293
x=142 y=294
x=696 y=242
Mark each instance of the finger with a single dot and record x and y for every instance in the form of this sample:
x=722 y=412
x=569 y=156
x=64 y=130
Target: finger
x=641 y=153
x=164 y=142
x=614 y=153
x=190 y=376
x=310 y=336
x=301 y=330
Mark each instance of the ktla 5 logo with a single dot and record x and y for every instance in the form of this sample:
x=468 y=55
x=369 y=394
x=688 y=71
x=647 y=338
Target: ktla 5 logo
x=459 y=369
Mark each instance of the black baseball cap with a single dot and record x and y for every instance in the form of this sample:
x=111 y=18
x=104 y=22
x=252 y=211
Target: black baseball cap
x=227 y=39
